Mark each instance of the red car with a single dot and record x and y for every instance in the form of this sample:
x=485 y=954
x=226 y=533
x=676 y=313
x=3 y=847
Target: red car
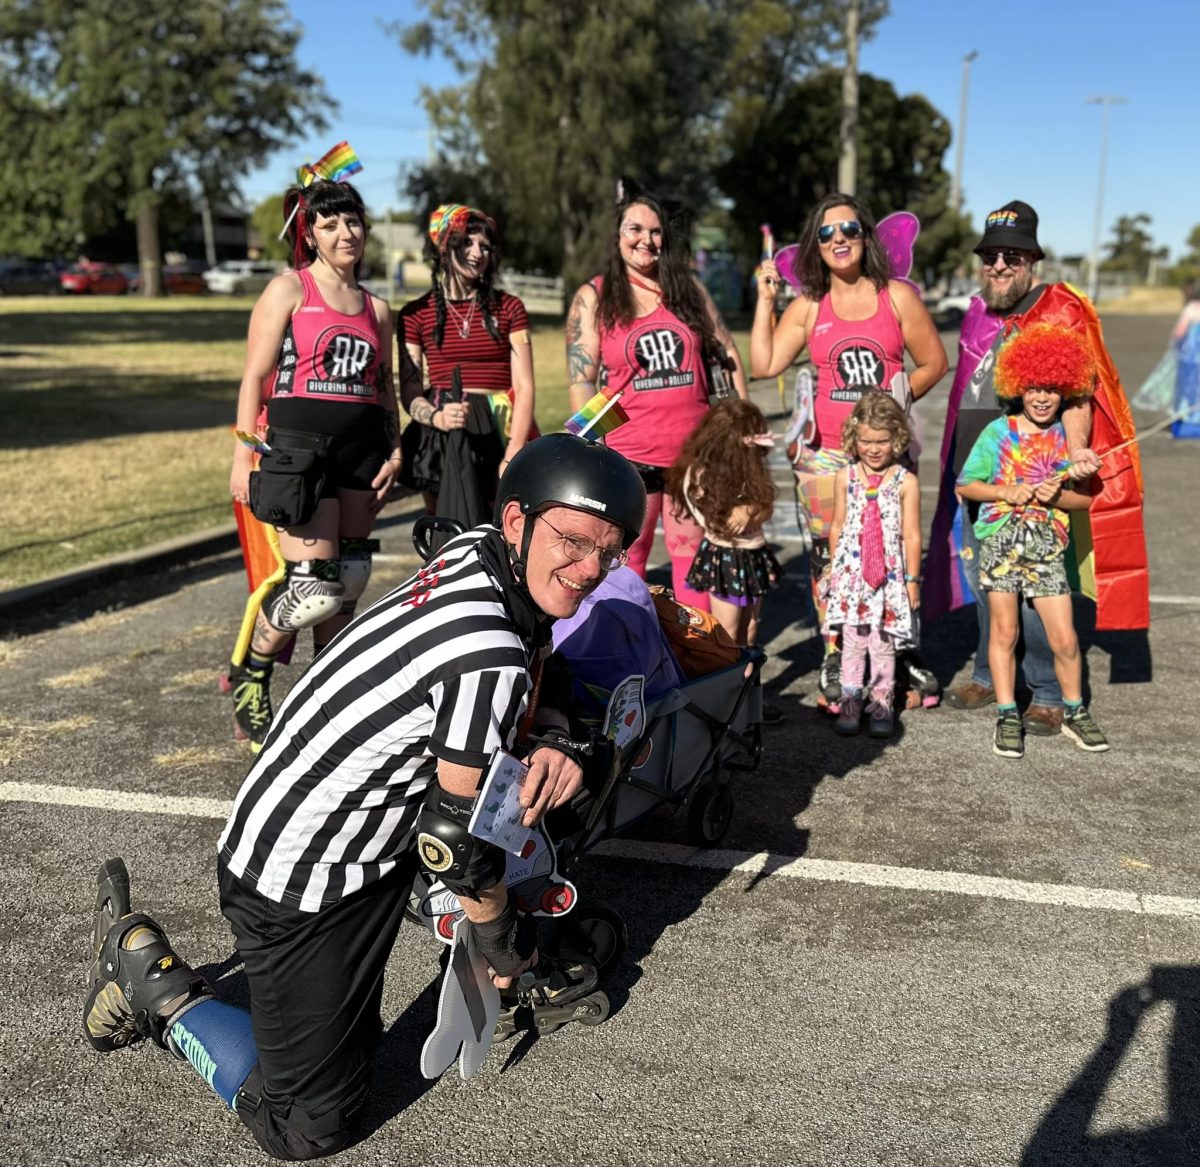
x=95 y=279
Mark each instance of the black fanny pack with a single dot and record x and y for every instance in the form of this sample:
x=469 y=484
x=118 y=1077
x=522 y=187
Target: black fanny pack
x=286 y=487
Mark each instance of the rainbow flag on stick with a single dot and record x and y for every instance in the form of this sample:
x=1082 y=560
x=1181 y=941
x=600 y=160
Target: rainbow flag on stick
x=600 y=415
x=336 y=166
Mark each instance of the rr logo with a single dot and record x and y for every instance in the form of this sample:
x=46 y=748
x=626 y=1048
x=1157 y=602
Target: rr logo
x=860 y=368
x=658 y=350
x=347 y=357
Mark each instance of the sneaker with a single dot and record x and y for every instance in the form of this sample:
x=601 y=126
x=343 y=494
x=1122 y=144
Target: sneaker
x=252 y=712
x=771 y=713
x=1082 y=729
x=849 y=720
x=972 y=695
x=1009 y=741
x=830 y=682
x=1043 y=720
x=880 y=723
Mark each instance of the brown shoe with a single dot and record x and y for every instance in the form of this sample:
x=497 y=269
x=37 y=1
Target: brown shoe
x=972 y=695
x=1043 y=720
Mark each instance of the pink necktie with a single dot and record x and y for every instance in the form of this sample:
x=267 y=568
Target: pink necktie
x=871 y=544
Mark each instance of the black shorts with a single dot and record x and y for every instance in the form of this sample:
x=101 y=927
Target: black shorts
x=358 y=438
x=316 y=982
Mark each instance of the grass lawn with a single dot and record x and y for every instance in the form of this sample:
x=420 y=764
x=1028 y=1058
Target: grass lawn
x=115 y=422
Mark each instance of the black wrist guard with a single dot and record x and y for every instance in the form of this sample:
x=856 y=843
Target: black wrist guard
x=465 y=864
x=579 y=751
x=508 y=941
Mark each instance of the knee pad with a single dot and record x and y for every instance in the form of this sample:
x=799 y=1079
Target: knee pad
x=356 y=570
x=310 y=593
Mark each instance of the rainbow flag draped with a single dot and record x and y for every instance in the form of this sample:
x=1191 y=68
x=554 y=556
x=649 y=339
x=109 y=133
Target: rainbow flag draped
x=599 y=416
x=336 y=166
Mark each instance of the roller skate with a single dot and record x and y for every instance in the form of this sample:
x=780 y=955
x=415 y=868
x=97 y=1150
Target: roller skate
x=137 y=983
x=252 y=712
x=549 y=996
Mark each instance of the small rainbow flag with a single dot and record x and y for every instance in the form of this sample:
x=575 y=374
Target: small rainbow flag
x=336 y=166
x=600 y=415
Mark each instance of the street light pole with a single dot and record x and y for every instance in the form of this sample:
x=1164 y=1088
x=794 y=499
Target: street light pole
x=1107 y=102
x=956 y=192
x=848 y=160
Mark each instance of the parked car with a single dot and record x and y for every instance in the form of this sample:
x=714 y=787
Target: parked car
x=241 y=277
x=951 y=309
x=20 y=277
x=178 y=279
x=95 y=279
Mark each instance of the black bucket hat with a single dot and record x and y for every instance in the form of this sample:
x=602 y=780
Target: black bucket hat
x=1012 y=225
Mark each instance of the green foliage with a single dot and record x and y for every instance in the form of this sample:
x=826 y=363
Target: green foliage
x=560 y=100
x=1186 y=270
x=108 y=110
x=790 y=162
x=1130 y=249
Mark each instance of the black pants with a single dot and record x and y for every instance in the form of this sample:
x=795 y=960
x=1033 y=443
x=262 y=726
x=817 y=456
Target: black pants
x=316 y=982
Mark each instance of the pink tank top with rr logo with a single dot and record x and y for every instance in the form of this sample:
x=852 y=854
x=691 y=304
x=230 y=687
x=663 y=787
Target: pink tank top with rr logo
x=655 y=363
x=327 y=355
x=852 y=357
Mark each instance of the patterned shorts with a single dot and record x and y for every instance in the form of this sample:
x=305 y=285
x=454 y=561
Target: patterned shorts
x=1024 y=558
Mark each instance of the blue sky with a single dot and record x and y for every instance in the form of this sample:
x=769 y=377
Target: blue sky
x=1029 y=132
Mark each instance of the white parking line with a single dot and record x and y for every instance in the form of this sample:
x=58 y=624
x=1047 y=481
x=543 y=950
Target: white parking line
x=1097 y=899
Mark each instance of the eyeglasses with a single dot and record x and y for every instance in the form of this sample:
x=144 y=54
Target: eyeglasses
x=579 y=547
x=850 y=229
x=1011 y=258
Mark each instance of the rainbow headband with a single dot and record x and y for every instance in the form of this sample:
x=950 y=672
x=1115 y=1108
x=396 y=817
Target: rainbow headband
x=450 y=218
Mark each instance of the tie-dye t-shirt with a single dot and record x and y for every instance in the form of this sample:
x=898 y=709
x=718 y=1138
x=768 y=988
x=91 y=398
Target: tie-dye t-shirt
x=1003 y=456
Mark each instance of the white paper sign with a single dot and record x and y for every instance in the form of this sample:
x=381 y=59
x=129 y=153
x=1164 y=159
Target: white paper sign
x=498 y=810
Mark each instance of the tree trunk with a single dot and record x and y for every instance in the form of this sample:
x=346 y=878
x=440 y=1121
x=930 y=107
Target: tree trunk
x=149 y=252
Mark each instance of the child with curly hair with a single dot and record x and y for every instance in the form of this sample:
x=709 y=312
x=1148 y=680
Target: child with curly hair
x=873 y=586
x=1017 y=471
x=721 y=478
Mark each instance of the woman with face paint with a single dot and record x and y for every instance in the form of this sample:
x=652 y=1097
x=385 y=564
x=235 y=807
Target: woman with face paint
x=318 y=366
x=473 y=341
x=646 y=329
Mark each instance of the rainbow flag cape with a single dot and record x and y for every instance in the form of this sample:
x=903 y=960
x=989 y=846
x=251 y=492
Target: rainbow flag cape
x=600 y=415
x=336 y=166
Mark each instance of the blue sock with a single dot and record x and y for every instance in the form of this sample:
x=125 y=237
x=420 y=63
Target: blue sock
x=1006 y=710
x=1070 y=708
x=217 y=1039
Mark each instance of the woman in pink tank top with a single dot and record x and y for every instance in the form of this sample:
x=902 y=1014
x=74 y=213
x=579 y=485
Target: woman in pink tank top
x=317 y=387
x=857 y=325
x=648 y=330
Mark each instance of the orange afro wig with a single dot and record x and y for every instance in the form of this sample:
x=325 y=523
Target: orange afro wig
x=1045 y=356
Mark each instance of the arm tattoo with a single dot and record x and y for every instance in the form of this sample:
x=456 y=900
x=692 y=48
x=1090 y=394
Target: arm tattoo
x=422 y=411
x=580 y=366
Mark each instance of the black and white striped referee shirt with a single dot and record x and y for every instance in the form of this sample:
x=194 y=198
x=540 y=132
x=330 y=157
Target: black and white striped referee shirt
x=435 y=669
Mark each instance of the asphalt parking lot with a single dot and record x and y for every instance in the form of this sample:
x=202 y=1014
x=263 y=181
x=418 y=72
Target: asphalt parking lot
x=903 y=952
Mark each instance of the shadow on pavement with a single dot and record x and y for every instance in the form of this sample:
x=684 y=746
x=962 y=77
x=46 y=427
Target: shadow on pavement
x=1062 y=1138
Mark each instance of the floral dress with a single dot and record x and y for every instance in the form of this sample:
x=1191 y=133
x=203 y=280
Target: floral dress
x=851 y=599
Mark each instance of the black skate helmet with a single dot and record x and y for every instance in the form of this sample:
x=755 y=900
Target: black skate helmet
x=564 y=470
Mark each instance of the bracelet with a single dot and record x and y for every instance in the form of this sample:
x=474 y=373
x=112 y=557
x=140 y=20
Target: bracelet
x=911 y=578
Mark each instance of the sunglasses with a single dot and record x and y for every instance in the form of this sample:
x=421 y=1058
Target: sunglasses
x=850 y=229
x=1011 y=258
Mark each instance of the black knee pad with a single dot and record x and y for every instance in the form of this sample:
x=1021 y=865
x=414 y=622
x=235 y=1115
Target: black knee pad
x=356 y=557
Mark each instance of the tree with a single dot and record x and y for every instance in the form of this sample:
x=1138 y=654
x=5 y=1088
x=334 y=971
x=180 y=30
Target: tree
x=559 y=100
x=1131 y=248
x=167 y=97
x=1187 y=269
x=790 y=162
x=267 y=218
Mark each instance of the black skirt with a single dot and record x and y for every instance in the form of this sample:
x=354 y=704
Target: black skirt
x=733 y=572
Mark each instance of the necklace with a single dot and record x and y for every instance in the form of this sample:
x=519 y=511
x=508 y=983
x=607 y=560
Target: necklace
x=644 y=286
x=464 y=322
